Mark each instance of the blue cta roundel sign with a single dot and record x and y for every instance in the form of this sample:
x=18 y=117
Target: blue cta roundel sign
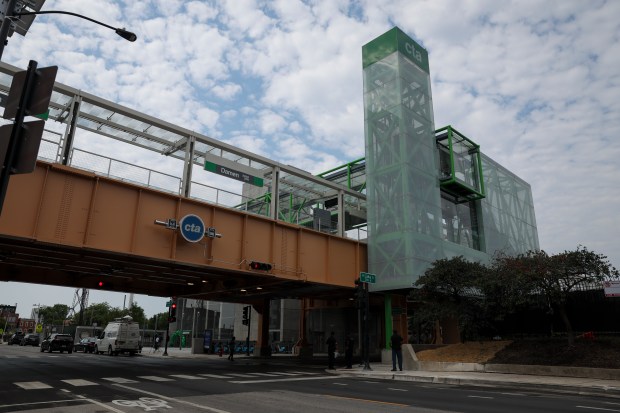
x=192 y=228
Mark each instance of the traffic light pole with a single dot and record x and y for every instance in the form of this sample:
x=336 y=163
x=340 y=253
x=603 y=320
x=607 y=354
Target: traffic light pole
x=6 y=24
x=247 y=339
x=13 y=145
x=365 y=329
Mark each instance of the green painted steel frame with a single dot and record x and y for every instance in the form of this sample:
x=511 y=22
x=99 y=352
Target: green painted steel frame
x=453 y=181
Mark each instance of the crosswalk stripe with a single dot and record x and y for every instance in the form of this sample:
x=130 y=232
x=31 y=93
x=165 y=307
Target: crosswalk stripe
x=80 y=382
x=305 y=372
x=33 y=385
x=118 y=380
x=186 y=376
x=243 y=375
x=263 y=374
x=280 y=373
x=283 y=379
x=216 y=376
x=155 y=378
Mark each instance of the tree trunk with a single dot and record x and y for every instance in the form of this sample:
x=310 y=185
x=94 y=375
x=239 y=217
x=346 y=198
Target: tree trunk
x=567 y=324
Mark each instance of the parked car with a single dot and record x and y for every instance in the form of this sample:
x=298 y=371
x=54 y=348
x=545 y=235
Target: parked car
x=58 y=342
x=30 y=340
x=16 y=338
x=87 y=345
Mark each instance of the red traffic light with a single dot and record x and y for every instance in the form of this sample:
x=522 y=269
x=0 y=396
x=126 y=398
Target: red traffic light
x=100 y=284
x=262 y=266
x=174 y=305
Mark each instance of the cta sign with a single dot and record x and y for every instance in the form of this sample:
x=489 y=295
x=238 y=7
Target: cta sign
x=192 y=228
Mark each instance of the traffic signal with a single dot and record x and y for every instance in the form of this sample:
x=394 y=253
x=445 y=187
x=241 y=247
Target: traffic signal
x=246 y=315
x=360 y=292
x=172 y=311
x=29 y=95
x=262 y=266
x=104 y=284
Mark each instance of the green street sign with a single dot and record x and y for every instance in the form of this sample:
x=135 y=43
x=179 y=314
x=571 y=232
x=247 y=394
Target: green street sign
x=231 y=173
x=168 y=303
x=366 y=277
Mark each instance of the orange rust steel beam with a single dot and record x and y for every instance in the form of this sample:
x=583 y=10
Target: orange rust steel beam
x=109 y=226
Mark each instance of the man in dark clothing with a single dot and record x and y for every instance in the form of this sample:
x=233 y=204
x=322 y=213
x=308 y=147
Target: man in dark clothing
x=348 y=351
x=397 y=352
x=331 y=350
x=231 y=348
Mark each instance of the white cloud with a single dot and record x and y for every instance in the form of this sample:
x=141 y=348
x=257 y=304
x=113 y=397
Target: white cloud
x=537 y=87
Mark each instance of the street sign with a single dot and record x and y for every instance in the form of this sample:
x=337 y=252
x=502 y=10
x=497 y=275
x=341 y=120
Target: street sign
x=168 y=303
x=611 y=288
x=366 y=277
x=233 y=174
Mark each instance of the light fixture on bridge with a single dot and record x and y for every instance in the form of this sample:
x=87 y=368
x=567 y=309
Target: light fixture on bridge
x=243 y=290
x=190 y=283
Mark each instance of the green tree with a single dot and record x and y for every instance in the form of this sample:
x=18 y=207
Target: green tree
x=450 y=289
x=158 y=321
x=55 y=314
x=555 y=277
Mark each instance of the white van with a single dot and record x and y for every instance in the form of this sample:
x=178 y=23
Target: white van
x=120 y=336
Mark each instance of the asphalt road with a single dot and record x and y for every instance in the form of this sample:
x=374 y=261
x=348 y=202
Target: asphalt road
x=31 y=381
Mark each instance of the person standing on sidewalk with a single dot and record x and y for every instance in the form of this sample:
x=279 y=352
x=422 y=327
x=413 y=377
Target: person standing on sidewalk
x=331 y=350
x=348 y=351
x=231 y=349
x=396 y=342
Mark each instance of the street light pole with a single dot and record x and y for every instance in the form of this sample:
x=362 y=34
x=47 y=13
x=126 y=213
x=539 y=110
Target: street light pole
x=10 y=14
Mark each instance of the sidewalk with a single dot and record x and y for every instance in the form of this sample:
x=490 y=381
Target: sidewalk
x=576 y=385
x=380 y=371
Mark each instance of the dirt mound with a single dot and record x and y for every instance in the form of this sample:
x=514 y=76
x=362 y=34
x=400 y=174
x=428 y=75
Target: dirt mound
x=470 y=352
x=596 y=353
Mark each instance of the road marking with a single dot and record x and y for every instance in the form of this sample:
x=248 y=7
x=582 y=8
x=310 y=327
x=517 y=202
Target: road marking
x=480 y=397
x=281 y=373
x=155 y=378
x=597 y=408
x=2 y=406
x=216 y=376
x=394 y=389
x=366 y=400
x=243 y=375
x=198 y=406
x=370 y=382
x=119 y=380
x=187 y=376
x=304 y=372
x=263 y=374
x=340 y=384
x=80 y=382
x=33 y=385
x=281 y=380
x=99 y=404
x=148 y=403
x=514 y=394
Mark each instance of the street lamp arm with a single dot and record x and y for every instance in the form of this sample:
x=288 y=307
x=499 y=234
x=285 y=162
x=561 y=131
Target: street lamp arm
x=121 y=32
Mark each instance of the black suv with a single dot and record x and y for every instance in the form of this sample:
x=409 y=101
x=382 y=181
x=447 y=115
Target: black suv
x=58 y=342
x=30 y=340
x=16 y=338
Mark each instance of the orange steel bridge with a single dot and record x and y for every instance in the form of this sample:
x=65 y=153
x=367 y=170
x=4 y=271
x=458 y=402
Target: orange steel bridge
x=68 y=227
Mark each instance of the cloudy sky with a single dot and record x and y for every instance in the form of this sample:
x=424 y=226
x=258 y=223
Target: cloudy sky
x=535 y=83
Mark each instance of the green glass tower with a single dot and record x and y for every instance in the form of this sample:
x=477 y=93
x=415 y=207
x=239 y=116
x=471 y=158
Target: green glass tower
x=431 y=194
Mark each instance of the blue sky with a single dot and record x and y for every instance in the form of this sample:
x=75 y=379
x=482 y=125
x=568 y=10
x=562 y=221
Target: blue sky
x=535 y=83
